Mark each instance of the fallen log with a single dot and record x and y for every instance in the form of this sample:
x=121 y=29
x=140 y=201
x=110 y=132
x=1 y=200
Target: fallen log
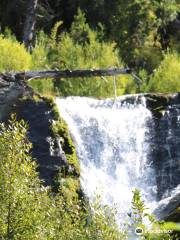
x=70 y=74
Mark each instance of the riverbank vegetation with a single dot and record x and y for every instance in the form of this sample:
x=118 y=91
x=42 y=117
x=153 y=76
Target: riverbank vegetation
x=142 y=35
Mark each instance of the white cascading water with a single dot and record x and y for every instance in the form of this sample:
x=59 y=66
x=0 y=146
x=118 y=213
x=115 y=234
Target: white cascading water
x=111 y=139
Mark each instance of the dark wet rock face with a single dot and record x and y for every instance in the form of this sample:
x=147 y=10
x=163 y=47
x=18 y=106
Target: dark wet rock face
x=45 y=149
x=10 y=91
x=166 y=152
x=165 y=138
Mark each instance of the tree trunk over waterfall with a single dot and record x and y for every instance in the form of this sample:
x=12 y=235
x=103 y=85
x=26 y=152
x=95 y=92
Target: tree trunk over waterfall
x=71 y=73
x=29 y=24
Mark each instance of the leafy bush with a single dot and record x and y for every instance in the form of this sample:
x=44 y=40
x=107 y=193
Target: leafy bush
x=13 y=56
x=81 y=48
x=91 y=55
x=166 y=78
x=23 y=201
x=40 y=52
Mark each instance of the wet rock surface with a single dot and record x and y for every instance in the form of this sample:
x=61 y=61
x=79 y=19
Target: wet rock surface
x=171 y=210
x=166 y=146
x=46 y=150
x=10 y=91
x=165 y=137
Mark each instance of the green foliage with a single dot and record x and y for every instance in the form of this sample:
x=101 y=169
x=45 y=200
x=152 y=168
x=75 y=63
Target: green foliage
x=156 y=230
x=101 y=224
x=69 y=186
x=54 y=33
x=64 y=51
x=39 y=53
x=40 y=62
x=43 y=86
x=23 y=201
x=81 y=49
x=144 y=80
x=138 y=207
x=141 y=35
x=13 y=55
x=137 y=21
x=80 y=30
x=140 y=29
x=91 y=56
x=167 y=11
x=165 y=79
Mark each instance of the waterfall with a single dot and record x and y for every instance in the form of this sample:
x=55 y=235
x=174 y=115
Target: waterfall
x=112 y=142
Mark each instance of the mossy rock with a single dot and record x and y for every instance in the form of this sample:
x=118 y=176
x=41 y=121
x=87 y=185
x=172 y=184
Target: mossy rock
x=68 y=168
x=60 y=129
x=67 y=181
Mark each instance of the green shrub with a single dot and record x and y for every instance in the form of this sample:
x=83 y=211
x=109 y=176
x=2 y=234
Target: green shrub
x=13 y=56
x=81 y=48
x=91 y=55
x=24 y=203
x=43 y=86
x=40 y=52
x=166 y=78
x=102 y=223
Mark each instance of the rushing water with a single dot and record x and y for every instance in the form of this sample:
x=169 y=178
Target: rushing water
x=112 y=142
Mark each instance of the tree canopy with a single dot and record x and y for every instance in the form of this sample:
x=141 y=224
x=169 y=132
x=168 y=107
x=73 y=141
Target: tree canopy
x=92 y=34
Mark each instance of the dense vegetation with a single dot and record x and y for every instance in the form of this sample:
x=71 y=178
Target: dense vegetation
x=140 y=34
x=80 y=34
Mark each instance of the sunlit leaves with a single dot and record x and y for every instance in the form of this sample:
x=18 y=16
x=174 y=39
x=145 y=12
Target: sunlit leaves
x=13 y=55
x=166 y=77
